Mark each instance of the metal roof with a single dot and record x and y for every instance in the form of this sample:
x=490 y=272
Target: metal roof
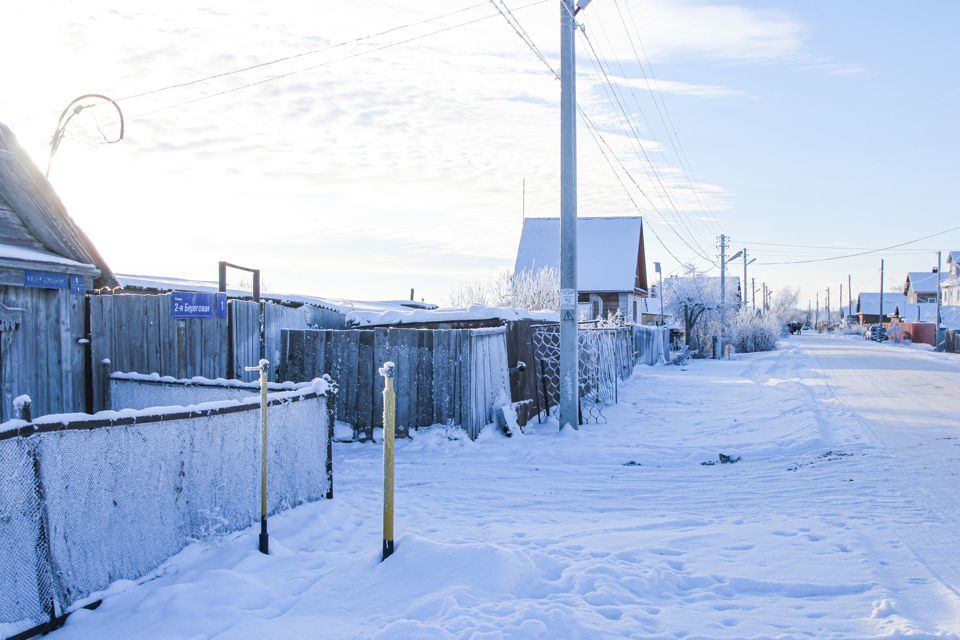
x=607 y=250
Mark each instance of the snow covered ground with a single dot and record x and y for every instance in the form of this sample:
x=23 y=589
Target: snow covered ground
x=841 y=520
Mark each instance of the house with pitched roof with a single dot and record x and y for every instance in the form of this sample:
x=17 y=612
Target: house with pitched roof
x=950 y=286
x=921 y=286
x=872 y=306
x=46 y=265
x=611 y=264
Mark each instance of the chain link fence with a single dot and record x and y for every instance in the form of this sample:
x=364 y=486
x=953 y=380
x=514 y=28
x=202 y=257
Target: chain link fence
x=606 y=356
x=91 y=499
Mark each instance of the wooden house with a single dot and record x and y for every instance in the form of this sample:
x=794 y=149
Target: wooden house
x=950 y=287
x=921 y=286
x=611 y=265
x=46 y=265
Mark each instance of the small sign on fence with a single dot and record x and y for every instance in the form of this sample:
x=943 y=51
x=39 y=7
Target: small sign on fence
x=47 y=280
x=198 y=305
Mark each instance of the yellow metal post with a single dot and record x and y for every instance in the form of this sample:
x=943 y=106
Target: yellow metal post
x=264 y=536
x=389 y=430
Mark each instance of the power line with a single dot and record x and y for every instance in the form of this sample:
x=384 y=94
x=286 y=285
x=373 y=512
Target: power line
x=863 y=253
x=318 y=65
x=618 y=103
x=678 y=147
x=517 y=27
x=298 y=55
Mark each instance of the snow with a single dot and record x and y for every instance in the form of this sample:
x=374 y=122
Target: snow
x=607 y=249
x=838 y=521
x=18 y=252
x=476 y=312
x=201 y=381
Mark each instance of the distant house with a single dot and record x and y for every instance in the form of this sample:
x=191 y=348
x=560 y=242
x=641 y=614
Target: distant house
x=868 y=306
x=611 y=265
x=950 y=286
x=921 y=286
x=48 y=264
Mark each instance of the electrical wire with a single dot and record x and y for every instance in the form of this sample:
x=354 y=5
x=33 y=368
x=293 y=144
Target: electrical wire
x=517 y=27
x=863 y=253
x=674 y=140
x=314 y=66
x=294 y=56
x=618 y=104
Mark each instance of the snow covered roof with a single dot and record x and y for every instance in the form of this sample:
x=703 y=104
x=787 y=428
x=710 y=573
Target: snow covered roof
x=28 y=254
x=609 y=251
x=157 y=283
x=33 y=217
x=923 y=281
x=869 y=303
x=472 y=313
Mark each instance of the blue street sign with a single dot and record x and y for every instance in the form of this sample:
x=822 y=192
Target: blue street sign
x=221 y=305
x=45 y=280
x=192 y=305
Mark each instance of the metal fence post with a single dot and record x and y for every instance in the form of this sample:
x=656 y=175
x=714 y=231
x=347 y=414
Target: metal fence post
x=389 y=428
x=264 y=536
x=106 y=400
x=332 y=389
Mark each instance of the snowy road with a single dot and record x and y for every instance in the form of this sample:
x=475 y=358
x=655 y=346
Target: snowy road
x=840 y=521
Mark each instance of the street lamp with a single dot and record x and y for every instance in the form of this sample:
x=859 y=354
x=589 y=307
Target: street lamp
x=656 y=266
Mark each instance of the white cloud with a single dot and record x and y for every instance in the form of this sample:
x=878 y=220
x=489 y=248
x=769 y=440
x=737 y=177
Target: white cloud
x=363 y=176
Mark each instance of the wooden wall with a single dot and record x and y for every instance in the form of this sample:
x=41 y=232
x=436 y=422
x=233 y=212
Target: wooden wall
x=43 y=358
x=442 y=376
x=137 y=333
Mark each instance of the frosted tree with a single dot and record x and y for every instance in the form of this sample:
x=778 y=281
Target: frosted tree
x=537 y=290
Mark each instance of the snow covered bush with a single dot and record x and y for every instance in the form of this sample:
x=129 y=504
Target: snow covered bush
x=749 y=332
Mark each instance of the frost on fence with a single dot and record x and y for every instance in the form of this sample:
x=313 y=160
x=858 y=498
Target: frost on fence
x=139 y=391
x=27 y=592
x=122 y=493
x=605 y=357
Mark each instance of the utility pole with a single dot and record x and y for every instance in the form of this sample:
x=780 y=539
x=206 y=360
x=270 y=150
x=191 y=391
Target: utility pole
x=881 y=300
x=828 y=308
x=849 y=294
x=745 y=277
x=940 y=337
x=723 y=291
x=753 y=292
x=569 y=358
x=841 y=302
x=817 y=325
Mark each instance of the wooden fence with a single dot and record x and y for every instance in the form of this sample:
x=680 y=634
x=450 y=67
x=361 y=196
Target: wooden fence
x=455 y=376
x=137 y=333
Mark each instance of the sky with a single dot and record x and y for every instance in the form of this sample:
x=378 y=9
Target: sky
x=393 y=152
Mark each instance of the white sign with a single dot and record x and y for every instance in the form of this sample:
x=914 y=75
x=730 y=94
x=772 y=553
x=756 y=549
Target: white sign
x=568 y=298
